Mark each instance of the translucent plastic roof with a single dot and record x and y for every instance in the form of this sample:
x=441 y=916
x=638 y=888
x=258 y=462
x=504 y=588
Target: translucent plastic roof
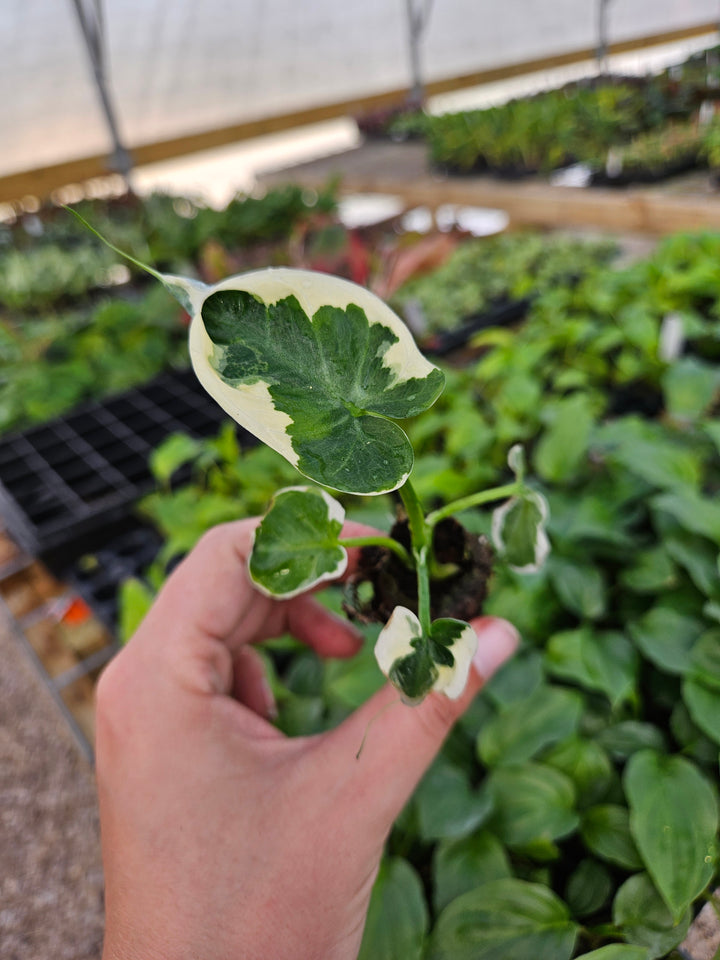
x=178 y=67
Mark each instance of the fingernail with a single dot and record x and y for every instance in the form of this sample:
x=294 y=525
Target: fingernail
x=497 y=642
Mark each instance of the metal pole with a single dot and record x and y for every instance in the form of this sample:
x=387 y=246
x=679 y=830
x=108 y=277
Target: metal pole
x=417 y=17
x=91 y=24
x=602 y=28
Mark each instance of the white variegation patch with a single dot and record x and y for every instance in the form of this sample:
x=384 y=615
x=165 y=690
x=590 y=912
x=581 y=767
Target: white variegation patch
x=393 y=642
x=249 y=404
x=452 y=680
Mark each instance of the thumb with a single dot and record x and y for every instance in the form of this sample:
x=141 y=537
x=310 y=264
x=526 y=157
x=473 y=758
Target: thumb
x=400 y=742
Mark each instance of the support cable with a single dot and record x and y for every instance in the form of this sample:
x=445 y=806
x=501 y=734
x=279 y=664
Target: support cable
x=92 y=24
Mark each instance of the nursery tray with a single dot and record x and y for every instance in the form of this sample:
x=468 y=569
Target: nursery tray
x=98 y=575
x=65 y=484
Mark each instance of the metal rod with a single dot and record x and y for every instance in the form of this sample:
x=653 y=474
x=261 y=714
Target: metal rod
x=91 y=25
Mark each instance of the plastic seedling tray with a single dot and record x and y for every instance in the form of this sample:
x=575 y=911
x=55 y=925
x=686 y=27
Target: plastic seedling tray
x=97 y=576
x=66 y=484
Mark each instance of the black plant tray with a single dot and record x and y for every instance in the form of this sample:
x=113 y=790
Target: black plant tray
x=502 y=313
x=64 y=484
x=127 y=551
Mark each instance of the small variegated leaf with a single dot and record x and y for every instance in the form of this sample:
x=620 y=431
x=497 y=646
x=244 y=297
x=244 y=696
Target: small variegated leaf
x=296 y=543
x=518 y=531
x=417 y=664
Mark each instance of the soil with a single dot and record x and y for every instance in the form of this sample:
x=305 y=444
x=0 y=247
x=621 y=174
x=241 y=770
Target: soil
x=392 y=584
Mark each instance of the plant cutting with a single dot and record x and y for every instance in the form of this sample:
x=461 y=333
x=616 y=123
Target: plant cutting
x=321 y=370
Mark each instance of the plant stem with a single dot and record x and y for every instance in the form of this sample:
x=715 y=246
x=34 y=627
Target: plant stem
x=474 y=500
x=421 y=536
x=387 y=542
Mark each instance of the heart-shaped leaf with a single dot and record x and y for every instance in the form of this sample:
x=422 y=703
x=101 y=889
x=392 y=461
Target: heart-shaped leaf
x=645 y=920
x=506 y=918
x=296 y=543
x=417 y=664
x=318 y=368
x=397 y=916
x=522 y=730
x=674 y=820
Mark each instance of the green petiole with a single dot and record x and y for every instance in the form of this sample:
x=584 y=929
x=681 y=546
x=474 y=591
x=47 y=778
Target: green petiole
x=474 y=500
x=397 y=548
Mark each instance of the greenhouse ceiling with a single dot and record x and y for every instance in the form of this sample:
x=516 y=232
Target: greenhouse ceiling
x=179 y=74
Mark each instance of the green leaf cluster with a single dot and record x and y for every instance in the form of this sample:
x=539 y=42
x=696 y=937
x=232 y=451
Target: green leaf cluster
x=578 y=121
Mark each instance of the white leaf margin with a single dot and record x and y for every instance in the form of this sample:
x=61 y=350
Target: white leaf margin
x=251 y=405
x=336 y=511
x=542 y=544
x=393 y=643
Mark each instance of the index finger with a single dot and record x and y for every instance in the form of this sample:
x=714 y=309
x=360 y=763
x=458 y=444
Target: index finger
x=210 y=593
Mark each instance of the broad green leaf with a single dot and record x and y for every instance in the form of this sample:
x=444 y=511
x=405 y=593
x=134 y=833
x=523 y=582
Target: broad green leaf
x=459 y=864
x=447 y=805
x=296 y=543
x=587 y=765
x=693 y=512
x=651 y=571
x=516 y=679
x=520 y=731
x=616 y=951
x=698 y=557
x=705 y=659
x=507 y=918
x=588 y=888
x=563 y=446
x=645 y=920
x=690 y=386
x=666 y=638
x=397 y=917
x=134 y=600
x=318 y=368
x=623 y=739
x=580 y=587
x=703 y=703
x=416 y=664
x=647 y=451
x=534 y=804
x=674 y=821
x=605 y=830
x=598 y=660
x=518 y=531
x=177 y=450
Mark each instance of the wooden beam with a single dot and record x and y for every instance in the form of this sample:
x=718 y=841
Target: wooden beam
x=401 y=170
x=42 y=181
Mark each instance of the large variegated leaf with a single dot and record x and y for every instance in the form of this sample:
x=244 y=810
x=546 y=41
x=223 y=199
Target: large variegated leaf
x=316 y=367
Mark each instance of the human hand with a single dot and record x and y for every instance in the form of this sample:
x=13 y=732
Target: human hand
x=222 y=839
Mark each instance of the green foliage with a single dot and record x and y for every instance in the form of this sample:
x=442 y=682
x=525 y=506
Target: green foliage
x=397 y=917
x=76 y=325
x=482 y=272
x=607 y=721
